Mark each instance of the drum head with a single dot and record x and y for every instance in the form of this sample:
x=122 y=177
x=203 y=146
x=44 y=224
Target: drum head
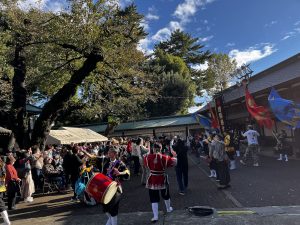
x=110 y=192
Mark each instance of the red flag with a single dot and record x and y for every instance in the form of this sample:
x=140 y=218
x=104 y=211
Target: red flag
x=260 y=113
x=214 y=120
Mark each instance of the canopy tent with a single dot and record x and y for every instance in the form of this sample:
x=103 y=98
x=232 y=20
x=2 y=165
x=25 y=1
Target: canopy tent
x=68 y=135
x=62 y=137
x=86 y=135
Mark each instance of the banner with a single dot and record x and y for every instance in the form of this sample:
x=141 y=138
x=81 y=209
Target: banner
x=204 y=121
x=214 y=120
x=259 y=113
x=220 y=113
x=285 y=110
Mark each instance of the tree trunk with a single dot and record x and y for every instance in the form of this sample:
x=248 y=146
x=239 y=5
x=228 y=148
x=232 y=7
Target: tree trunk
x=58 y=101
x=110 y=129
x=19 y=93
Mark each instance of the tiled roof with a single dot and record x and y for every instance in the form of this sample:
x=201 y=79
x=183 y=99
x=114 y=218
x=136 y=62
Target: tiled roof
x=148 y=124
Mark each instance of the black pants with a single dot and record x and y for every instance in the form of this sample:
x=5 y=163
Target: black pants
x=113 y=206
x=154 y=195
x=136 y=162
x=12 y=194
x=2 y=203
x=37 y=177
x=182 y=177
x=223 y=172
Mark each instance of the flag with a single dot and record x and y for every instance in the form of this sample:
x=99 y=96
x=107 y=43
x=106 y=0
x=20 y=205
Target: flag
x=285 y=110
x=204 y=121
x=260 y=113
x=214 y=120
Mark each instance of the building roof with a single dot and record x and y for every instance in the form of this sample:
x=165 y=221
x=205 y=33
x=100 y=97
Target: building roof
x=147 y=124
x=284 y=71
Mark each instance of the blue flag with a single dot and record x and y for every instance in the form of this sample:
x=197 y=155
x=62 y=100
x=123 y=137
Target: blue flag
x=204 y=121
x=285 y=110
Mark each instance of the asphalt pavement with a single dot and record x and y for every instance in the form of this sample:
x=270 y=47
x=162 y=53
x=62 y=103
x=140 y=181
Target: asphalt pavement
x=274 y=186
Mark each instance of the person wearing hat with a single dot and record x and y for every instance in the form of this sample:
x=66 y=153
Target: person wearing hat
x=253 y=147
x=117 y=171
x=157 y=181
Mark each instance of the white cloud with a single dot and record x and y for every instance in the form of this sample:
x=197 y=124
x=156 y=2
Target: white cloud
x=286 y=37
x=151 y=16
x=251 y=54
x=201 y=67
x=174 y=25
x=271 y=23
x=56 y=6
x=28 y=4
x=183 y=13
x=205 y=39
x=162 y=34
x=48 y=5
x=145 y=25
x=297 y=23
x=144 y=46
x=123 y=3
x=188 y=8
x=291 y=33
x=230 y=44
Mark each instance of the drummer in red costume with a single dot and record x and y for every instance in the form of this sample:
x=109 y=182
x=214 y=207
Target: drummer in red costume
x=158 y=179
x=117 y=171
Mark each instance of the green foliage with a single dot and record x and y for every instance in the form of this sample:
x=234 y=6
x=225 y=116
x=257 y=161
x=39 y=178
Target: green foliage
x=219 y=73
x=56 y=45
x=172 y=79
x=183 y=45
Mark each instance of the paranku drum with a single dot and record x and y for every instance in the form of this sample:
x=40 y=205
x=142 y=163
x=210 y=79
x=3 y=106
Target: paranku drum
x=101 y=188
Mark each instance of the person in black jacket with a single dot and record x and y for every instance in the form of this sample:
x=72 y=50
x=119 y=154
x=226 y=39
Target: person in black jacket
x=75 y=164
x=182 y=165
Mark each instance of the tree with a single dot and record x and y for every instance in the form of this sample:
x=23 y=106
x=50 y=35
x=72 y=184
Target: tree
x=56 y=53
x=185 y=46
x=176 y=90
x=219 y=73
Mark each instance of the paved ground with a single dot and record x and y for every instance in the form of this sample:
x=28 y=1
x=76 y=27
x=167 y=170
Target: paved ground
x=273 y=184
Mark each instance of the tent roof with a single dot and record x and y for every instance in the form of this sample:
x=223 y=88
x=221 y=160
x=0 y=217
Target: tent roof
x=68 y=135
x=61 y=137
x=85 y=134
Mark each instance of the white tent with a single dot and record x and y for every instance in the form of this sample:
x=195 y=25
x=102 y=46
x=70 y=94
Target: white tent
x=61 y=137
x=86 y=135
x=68 y=135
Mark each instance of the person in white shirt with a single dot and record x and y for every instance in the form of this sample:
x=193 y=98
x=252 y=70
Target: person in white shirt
x=253 y=147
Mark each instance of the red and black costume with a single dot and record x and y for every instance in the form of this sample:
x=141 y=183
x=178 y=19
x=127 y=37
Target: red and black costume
x=158 y=180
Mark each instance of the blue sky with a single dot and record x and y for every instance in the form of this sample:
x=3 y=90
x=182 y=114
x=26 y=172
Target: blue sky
x=259 y=32
x=262 y=33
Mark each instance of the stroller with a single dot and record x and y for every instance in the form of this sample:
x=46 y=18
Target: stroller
x=80 y=187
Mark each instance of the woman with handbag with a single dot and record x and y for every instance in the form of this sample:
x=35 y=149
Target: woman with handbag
x=12 y=182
